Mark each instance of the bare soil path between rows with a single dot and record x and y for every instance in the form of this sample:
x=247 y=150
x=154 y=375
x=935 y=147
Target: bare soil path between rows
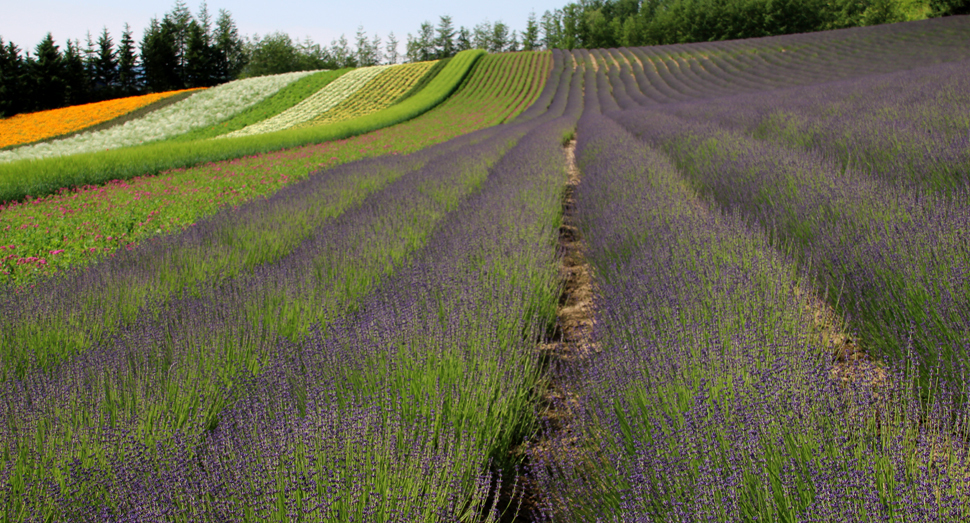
x=571 y=344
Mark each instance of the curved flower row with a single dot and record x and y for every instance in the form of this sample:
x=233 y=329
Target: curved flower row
x=320 y=102
x=381 y=92
x=31 y=127
x=205 y=108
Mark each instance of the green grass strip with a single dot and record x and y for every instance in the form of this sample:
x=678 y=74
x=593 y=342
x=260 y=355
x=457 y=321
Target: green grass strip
x=272 y=106
x=428 y=76
x=45 y=176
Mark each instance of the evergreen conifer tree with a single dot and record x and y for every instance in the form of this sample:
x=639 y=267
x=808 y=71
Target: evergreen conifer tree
x=13 y=76
x=128 y=78
x=421 y=48
x=500 y=38
x=482 y=36
x=445 y=40
x=159 y=58
x=48 y=89
x=367 y=53
x=179 y=22
x=199 y=63
x=342 y=54
x=464 y=40
x=530 y=38
x=391 y=53
x=229 y=52
x=105 y=69
x=78 y=88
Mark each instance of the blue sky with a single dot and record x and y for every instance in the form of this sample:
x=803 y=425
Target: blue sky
x=26 y=22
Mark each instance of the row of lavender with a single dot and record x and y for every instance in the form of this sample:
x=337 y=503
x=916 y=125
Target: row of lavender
x=891 y=257
x=358 y=347
x=864 y=180
x=69 y=313
x=672 y=73
x=714 y=397
x=908 y=129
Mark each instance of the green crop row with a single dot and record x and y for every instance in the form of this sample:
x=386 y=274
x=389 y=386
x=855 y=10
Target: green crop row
x=46 y=176
x=75 y=228
x=272 y=106
x=428 y=76
x=379 y=93
x=487 y=90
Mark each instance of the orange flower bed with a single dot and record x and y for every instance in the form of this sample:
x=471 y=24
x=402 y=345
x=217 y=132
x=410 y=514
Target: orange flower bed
x=31 y=127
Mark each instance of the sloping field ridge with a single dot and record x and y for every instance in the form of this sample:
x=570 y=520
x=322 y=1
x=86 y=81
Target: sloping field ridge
x=84 y=225
x=26 y=128
x=381 y=92
x=200 y=110
x=283 y=100
x=321 y=101
x=46 y=176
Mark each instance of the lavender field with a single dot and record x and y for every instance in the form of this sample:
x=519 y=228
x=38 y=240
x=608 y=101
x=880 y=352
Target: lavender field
x=777 y=234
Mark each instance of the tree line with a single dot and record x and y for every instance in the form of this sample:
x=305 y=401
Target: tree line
x=182 y=50
x=594 y=24
x=178 y=51
x=444 y=40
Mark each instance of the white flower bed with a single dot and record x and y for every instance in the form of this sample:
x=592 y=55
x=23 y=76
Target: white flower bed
x=202 y=109
x=315 y=104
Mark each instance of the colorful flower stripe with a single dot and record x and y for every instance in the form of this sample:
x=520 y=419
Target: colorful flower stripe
x=484 y=223
x=32 y=127
x=322 y=101
x=381 y=92
x=200 y=110
x=90 y=221
x=285 y=99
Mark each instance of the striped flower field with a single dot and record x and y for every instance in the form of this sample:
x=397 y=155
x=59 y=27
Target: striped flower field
x=26 y=128
x=721 y=281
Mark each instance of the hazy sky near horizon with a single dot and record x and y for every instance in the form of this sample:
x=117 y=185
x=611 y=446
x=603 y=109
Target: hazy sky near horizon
x=26 y=23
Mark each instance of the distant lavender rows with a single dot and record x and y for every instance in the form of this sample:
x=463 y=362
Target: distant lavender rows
x=910 y=128
x=873 y=201
x=713 y=398
x=70 y=312
x=893 y=259
x=369 y=372
x=681 y=72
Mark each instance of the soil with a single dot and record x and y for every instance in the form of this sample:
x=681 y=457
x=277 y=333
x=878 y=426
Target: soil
x=850 y=363
x=571 y=344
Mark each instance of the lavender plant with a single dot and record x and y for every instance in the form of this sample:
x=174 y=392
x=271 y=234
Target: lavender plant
x=909 y=127
x=888 y=257
x=713 y=397
x=212 y=406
